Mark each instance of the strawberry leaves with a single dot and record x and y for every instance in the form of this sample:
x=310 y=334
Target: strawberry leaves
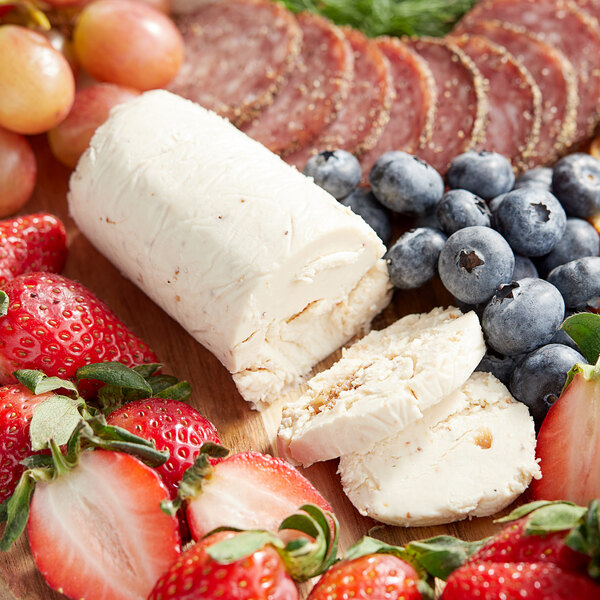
x=3 y=303
x=584 y=328
x=55 y=418
x=585 y=538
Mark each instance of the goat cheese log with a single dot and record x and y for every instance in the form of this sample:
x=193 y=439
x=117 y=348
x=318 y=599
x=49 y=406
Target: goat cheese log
x=258 y=263
x=470 y=455
x=381 y=385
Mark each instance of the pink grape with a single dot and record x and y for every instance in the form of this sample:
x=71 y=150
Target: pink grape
x=18 y=171
x=128 y=43
x=69 y=139
x=37 y=87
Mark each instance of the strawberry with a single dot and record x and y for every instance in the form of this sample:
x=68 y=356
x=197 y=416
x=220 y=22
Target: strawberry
x=195 y=574
x=515 y=545
x=270 y=487
x=171 y=425
x=93 y=516
x=381 y=576
x=514 y=581
x=568 y=444
x=31 y=243
x=57 y=325
x=253 y=565
x=16 y=410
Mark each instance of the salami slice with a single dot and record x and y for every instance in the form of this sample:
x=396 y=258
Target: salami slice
x=564 y=26
x=314 y=92
x=238 y=54
x=413 y=109
x=461 y=101
x=555 y=78
x=513 y=123
x=592 y=7
x=366 y=110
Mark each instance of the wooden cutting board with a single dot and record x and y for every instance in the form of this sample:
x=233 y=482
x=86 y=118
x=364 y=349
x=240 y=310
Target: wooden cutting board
x=215 y=395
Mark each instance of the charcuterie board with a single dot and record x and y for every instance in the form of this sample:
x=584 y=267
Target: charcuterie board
x=215 y=394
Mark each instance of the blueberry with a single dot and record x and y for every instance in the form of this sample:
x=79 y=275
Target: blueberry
x=540 y=177
x=532 y=221
x=495 y=202
x=428 y=220
x=524 y=267
x=487 y=174
x=580 y=239
x=406 y=184
x=576 y=183
x=412 y=260
x=501 y=367
x=477 y=308
x=337 y=172
x=522 y=316
x=459 y=209
x=474 y=262
x=363 y=203
x=539 y=378
x=578 y=281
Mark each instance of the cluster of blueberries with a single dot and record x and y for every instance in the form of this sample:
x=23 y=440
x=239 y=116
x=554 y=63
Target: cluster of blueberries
x=519 y=252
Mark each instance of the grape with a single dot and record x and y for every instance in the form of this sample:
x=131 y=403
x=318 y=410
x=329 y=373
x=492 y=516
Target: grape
x=63 y=45
x=164 y=6
x=18 y=171
x=36 y=83
x=128 y=43
x=70 y=138
x=5 y=9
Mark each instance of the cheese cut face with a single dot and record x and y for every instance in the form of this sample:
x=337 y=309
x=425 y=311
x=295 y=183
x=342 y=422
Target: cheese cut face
x=381 y=385
x=470 y=455
x=258 y=263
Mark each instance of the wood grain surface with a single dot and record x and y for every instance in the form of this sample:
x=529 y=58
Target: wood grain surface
x=215 y=395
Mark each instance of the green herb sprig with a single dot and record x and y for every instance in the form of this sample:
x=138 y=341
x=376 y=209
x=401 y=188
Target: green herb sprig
x=389 y=17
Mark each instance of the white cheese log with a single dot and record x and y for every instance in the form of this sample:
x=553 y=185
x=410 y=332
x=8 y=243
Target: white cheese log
x=382 y=384
x=258 y=263
x=470 y=455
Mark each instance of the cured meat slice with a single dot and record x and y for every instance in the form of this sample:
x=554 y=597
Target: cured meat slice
x=513 y=123
x=461 y=101
x=592 y=7
x=554 y=76
x=365 y=111
x=238 y=54
x=314 y=92
x=564 y=26
x=413 y=108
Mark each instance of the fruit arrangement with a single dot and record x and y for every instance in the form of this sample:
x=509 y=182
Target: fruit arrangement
x=45 y=48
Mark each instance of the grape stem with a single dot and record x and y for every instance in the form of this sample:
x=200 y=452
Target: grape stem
x=34 y=15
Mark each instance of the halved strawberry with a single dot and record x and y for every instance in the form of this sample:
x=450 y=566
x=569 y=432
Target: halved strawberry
x=249 y=490
x=171 y=425
x=513 y=581
x=568 y=443
x=97 y=531
x=16 y=410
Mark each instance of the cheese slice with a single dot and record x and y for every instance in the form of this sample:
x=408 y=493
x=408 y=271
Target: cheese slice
x=470 y=455
x=258 y=263
x=382 y=384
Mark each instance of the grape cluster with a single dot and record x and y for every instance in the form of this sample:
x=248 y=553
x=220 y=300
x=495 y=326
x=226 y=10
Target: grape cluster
x=123 y=47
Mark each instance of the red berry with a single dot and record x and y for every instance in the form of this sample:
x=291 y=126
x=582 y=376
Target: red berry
x=98 y=531
x=513 y=545
x=31 y=243
x=381 y=576
x=16 y=410
x=271 y=490
x=57 y=325
x=568 y=444
x=195 y=575
x=171 y=425
x=514 y=581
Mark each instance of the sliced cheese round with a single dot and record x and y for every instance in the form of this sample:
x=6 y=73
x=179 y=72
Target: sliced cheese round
x=382 y=384
x=470 y=455
x=258 y=263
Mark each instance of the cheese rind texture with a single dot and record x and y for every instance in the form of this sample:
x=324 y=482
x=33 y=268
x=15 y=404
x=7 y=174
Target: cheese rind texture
x=381 y=385
x=470 y=455
x=259 y=264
